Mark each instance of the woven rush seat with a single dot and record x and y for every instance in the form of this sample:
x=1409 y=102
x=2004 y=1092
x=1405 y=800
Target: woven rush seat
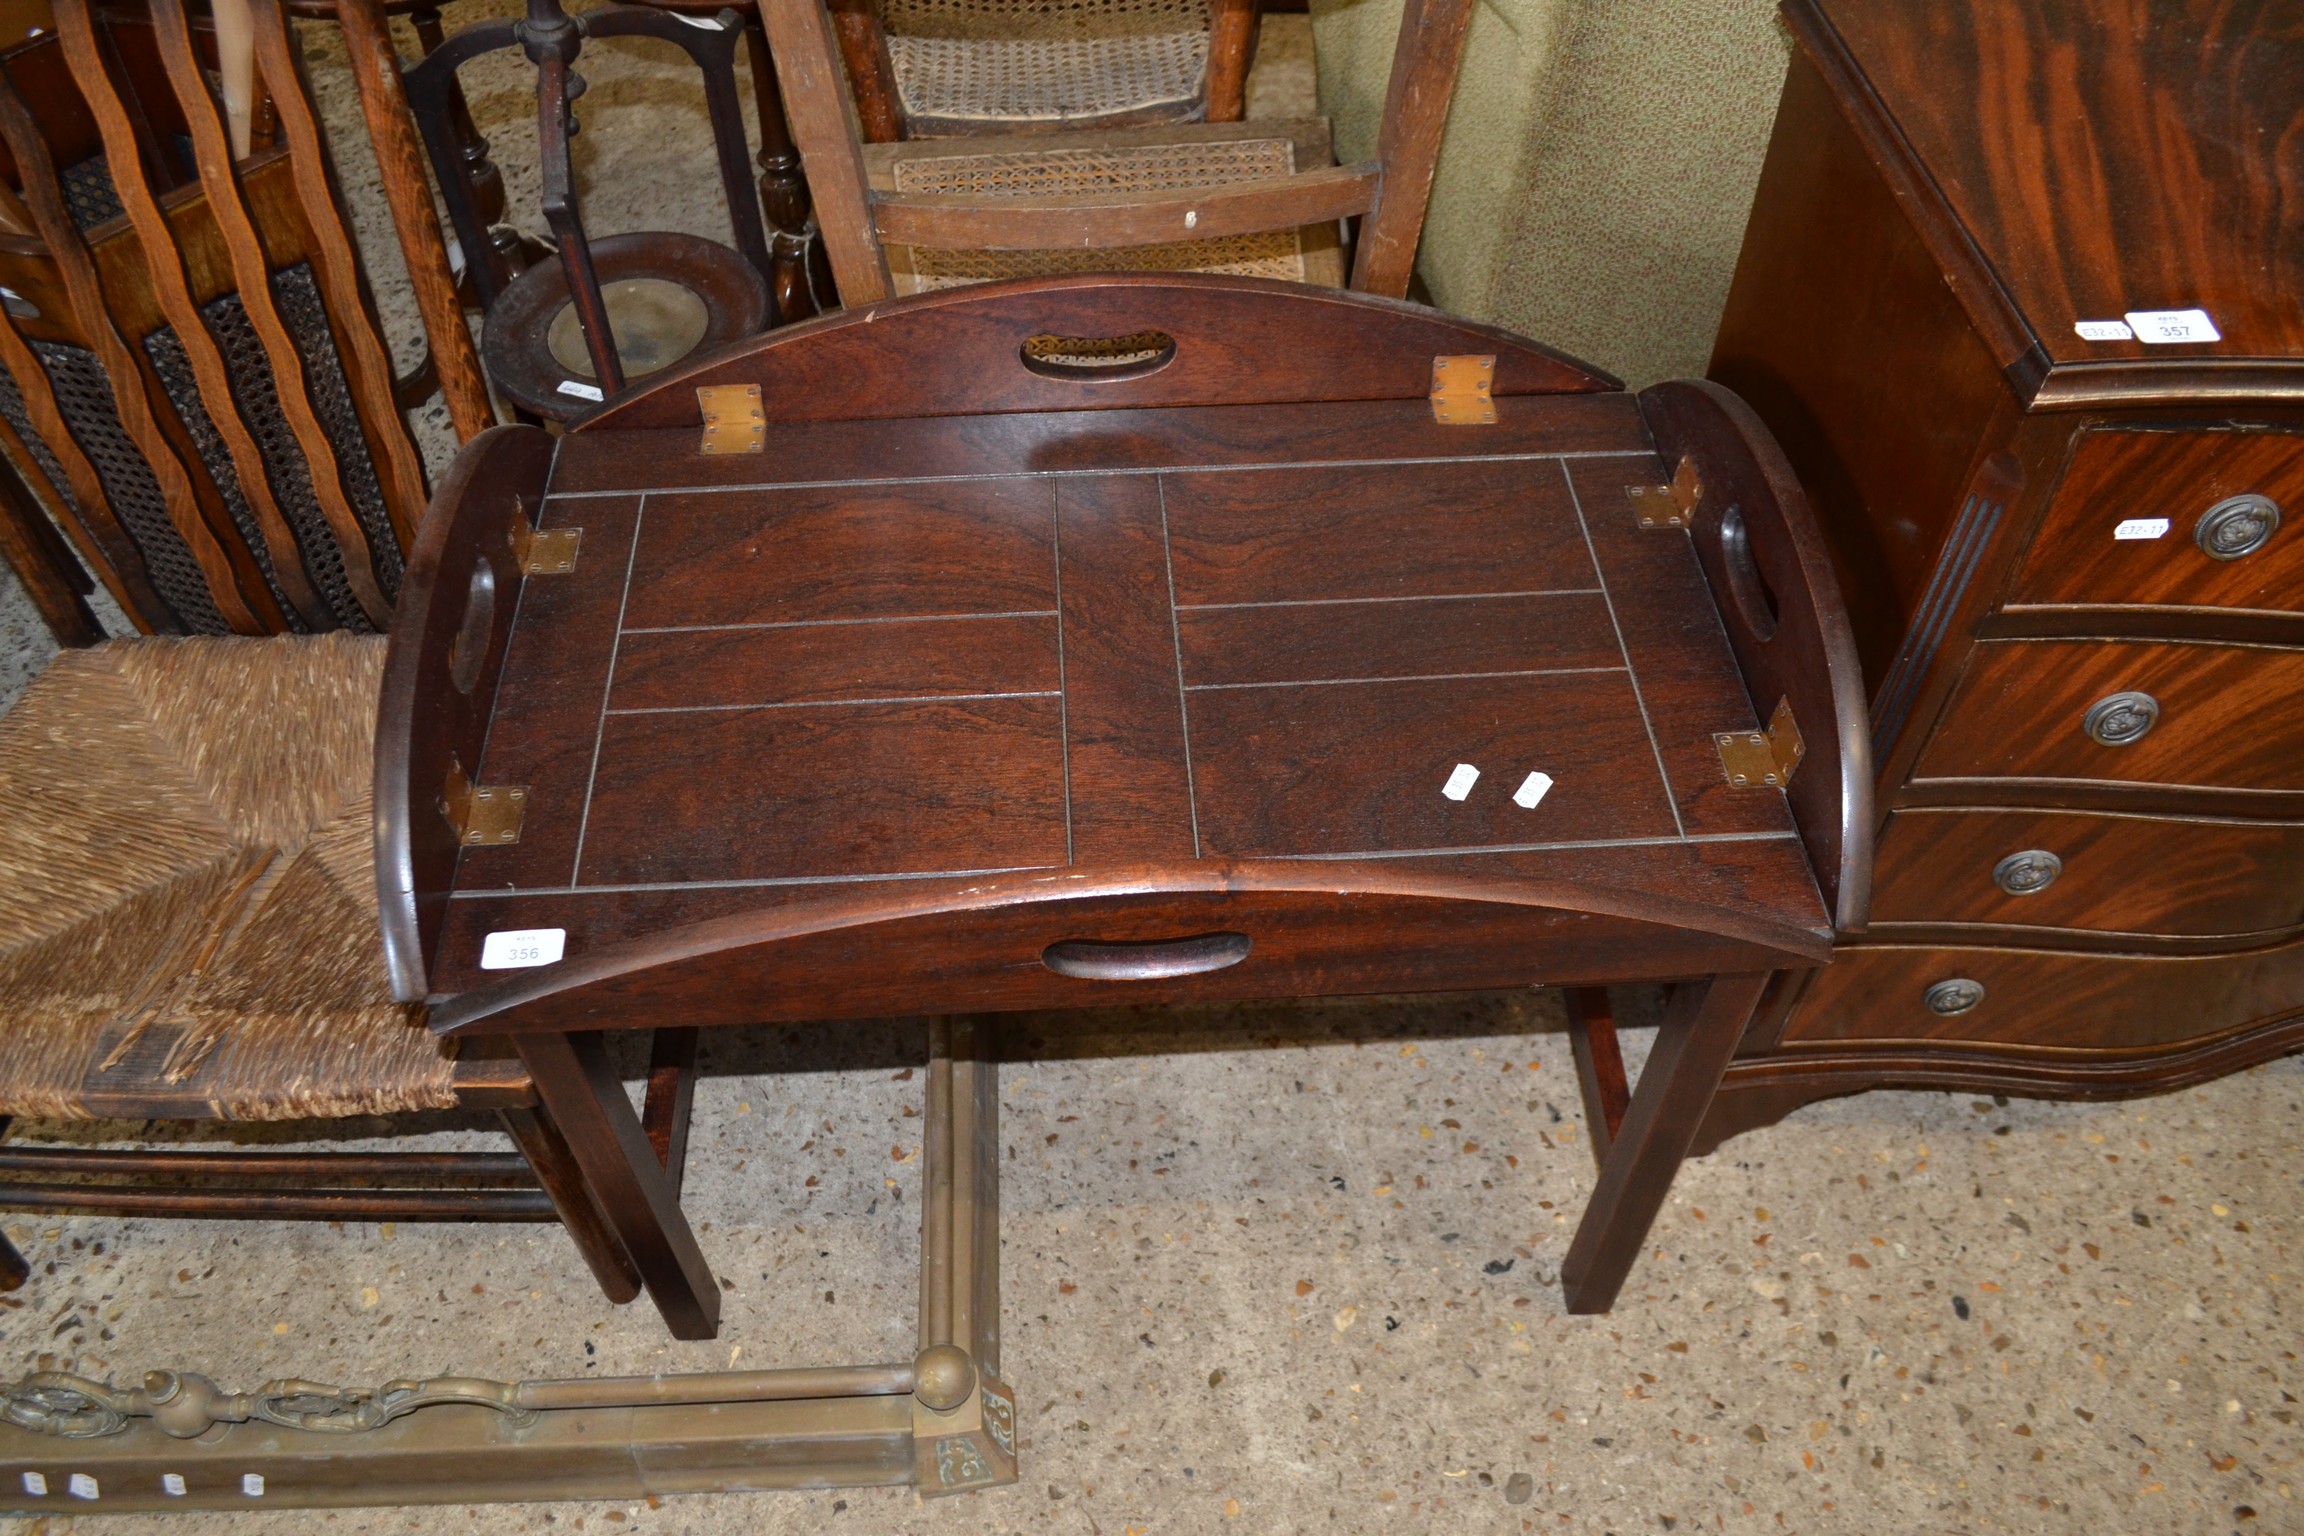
x=187 y=892
x=978 y=66
x=1151 y=160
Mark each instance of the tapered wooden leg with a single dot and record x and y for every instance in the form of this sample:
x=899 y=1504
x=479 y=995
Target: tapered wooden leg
x=563 y=1180
x=580 y=1091
x=1702 y=1024
x=1599 y=1066
x=671 y=1098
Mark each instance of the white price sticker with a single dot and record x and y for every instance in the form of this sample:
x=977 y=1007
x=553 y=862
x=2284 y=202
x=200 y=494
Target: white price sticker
x=2104 y=330
x=2141 y=528
x=517 y=948
x=2162 y=327
x=172 y=1484
x=581 y=391
x=81 y=1486
x=252 y=1484
x=1531 y=791
x=36 y=1484
x=1461 y=781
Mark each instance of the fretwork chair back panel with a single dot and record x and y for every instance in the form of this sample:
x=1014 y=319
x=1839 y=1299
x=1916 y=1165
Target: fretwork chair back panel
x=931 y=68
x=1248 y=199
x=188 y=931
x=195 y=383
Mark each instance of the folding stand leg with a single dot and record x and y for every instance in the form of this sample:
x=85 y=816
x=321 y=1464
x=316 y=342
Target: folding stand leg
x=963 y=1415
x=1702 y=1025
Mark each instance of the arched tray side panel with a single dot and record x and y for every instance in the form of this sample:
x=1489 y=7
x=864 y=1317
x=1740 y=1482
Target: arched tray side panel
x=1237 y=341
x=440 y=682
x=988 y=948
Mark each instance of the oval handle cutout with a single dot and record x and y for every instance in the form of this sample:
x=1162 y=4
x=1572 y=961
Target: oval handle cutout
x=470 y=647
x=1145 y=960
x=1092 y=358
x=1747 y=585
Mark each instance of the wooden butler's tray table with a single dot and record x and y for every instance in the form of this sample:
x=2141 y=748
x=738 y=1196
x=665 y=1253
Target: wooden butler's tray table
x=1112 y=639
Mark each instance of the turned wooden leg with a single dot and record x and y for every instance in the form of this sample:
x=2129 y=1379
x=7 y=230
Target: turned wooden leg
x=1702 y=1024
x=579 y=1089
x=784 y=198
x=556 y=1169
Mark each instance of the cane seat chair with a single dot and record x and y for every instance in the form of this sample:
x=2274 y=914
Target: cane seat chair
x=1251 y=199
x=193 y=381
x=188 y=931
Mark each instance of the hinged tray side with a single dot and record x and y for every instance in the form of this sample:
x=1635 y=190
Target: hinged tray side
x=962 y=351
x=1771 y=576
x=449 y=635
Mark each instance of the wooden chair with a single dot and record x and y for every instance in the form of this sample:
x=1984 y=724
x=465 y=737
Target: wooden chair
x=192 y=379
x=188 y=931
x=1246 y=199
x=930 y=68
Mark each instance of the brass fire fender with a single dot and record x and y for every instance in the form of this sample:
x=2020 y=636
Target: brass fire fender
x=943 y=1422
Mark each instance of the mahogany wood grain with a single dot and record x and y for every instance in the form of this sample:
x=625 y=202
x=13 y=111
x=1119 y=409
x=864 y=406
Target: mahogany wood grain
x=1755 y=877
x=213 y=155
x=1110 y=220
x=2125 y=474
x=1771 y=577
x=2018 y=712
x=1702 y=1023
x=2044 y=1001
x=2122 y=874
x=1239 y=340
x=1340 y=433
x=423 y=720
x=832 y=661
x=1317 y=639
x=1599 y=1066
x=2146 y=214
x=400 y=158
x=1124 y=716
x=557 y=1170
x=1424 y=64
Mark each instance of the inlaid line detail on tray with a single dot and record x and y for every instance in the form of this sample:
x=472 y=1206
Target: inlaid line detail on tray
x=1176 y=636
x=834 y=482
x=1063 y=700
x=892 y=618
x=1595 y=842
x=607 y=688
x=1576 y=502
x=1413 y=597
x=914 y=698
x=736 y=885
x=1422 y=677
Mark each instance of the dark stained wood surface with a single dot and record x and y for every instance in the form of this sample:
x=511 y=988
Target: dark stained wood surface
x=2103 y=155
x=2125 y=475
x=2122 y=874
x=2042 y=1001
x=2226 y=716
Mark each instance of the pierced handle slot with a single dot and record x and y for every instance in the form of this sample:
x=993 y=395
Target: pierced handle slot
x=1087 y=359
x=1148 y=960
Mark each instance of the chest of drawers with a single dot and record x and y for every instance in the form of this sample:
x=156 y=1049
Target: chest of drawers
x=2074 y=550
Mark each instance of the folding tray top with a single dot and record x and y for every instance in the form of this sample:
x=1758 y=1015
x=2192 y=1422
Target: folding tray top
x=1140 y=669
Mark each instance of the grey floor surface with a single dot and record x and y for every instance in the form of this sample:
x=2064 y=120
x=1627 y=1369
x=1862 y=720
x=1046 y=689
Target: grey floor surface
x=1293 y=1268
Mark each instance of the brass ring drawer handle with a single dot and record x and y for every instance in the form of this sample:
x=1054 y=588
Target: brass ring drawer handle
x=2121 y=718
x=1150 y=960
x=2237 y=526
x=2027 y=873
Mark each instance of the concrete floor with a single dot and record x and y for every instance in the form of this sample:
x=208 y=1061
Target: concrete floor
x=1294 y=1267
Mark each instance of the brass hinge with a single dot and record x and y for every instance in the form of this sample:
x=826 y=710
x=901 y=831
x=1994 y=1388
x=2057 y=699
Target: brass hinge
x=1668 y=506
x=1770 y=757
x=733 y=419
x=1460 y=391
x=543 y=551
x=484 y=815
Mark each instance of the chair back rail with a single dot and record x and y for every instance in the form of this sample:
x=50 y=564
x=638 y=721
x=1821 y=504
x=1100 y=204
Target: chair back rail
x=1771 y=576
